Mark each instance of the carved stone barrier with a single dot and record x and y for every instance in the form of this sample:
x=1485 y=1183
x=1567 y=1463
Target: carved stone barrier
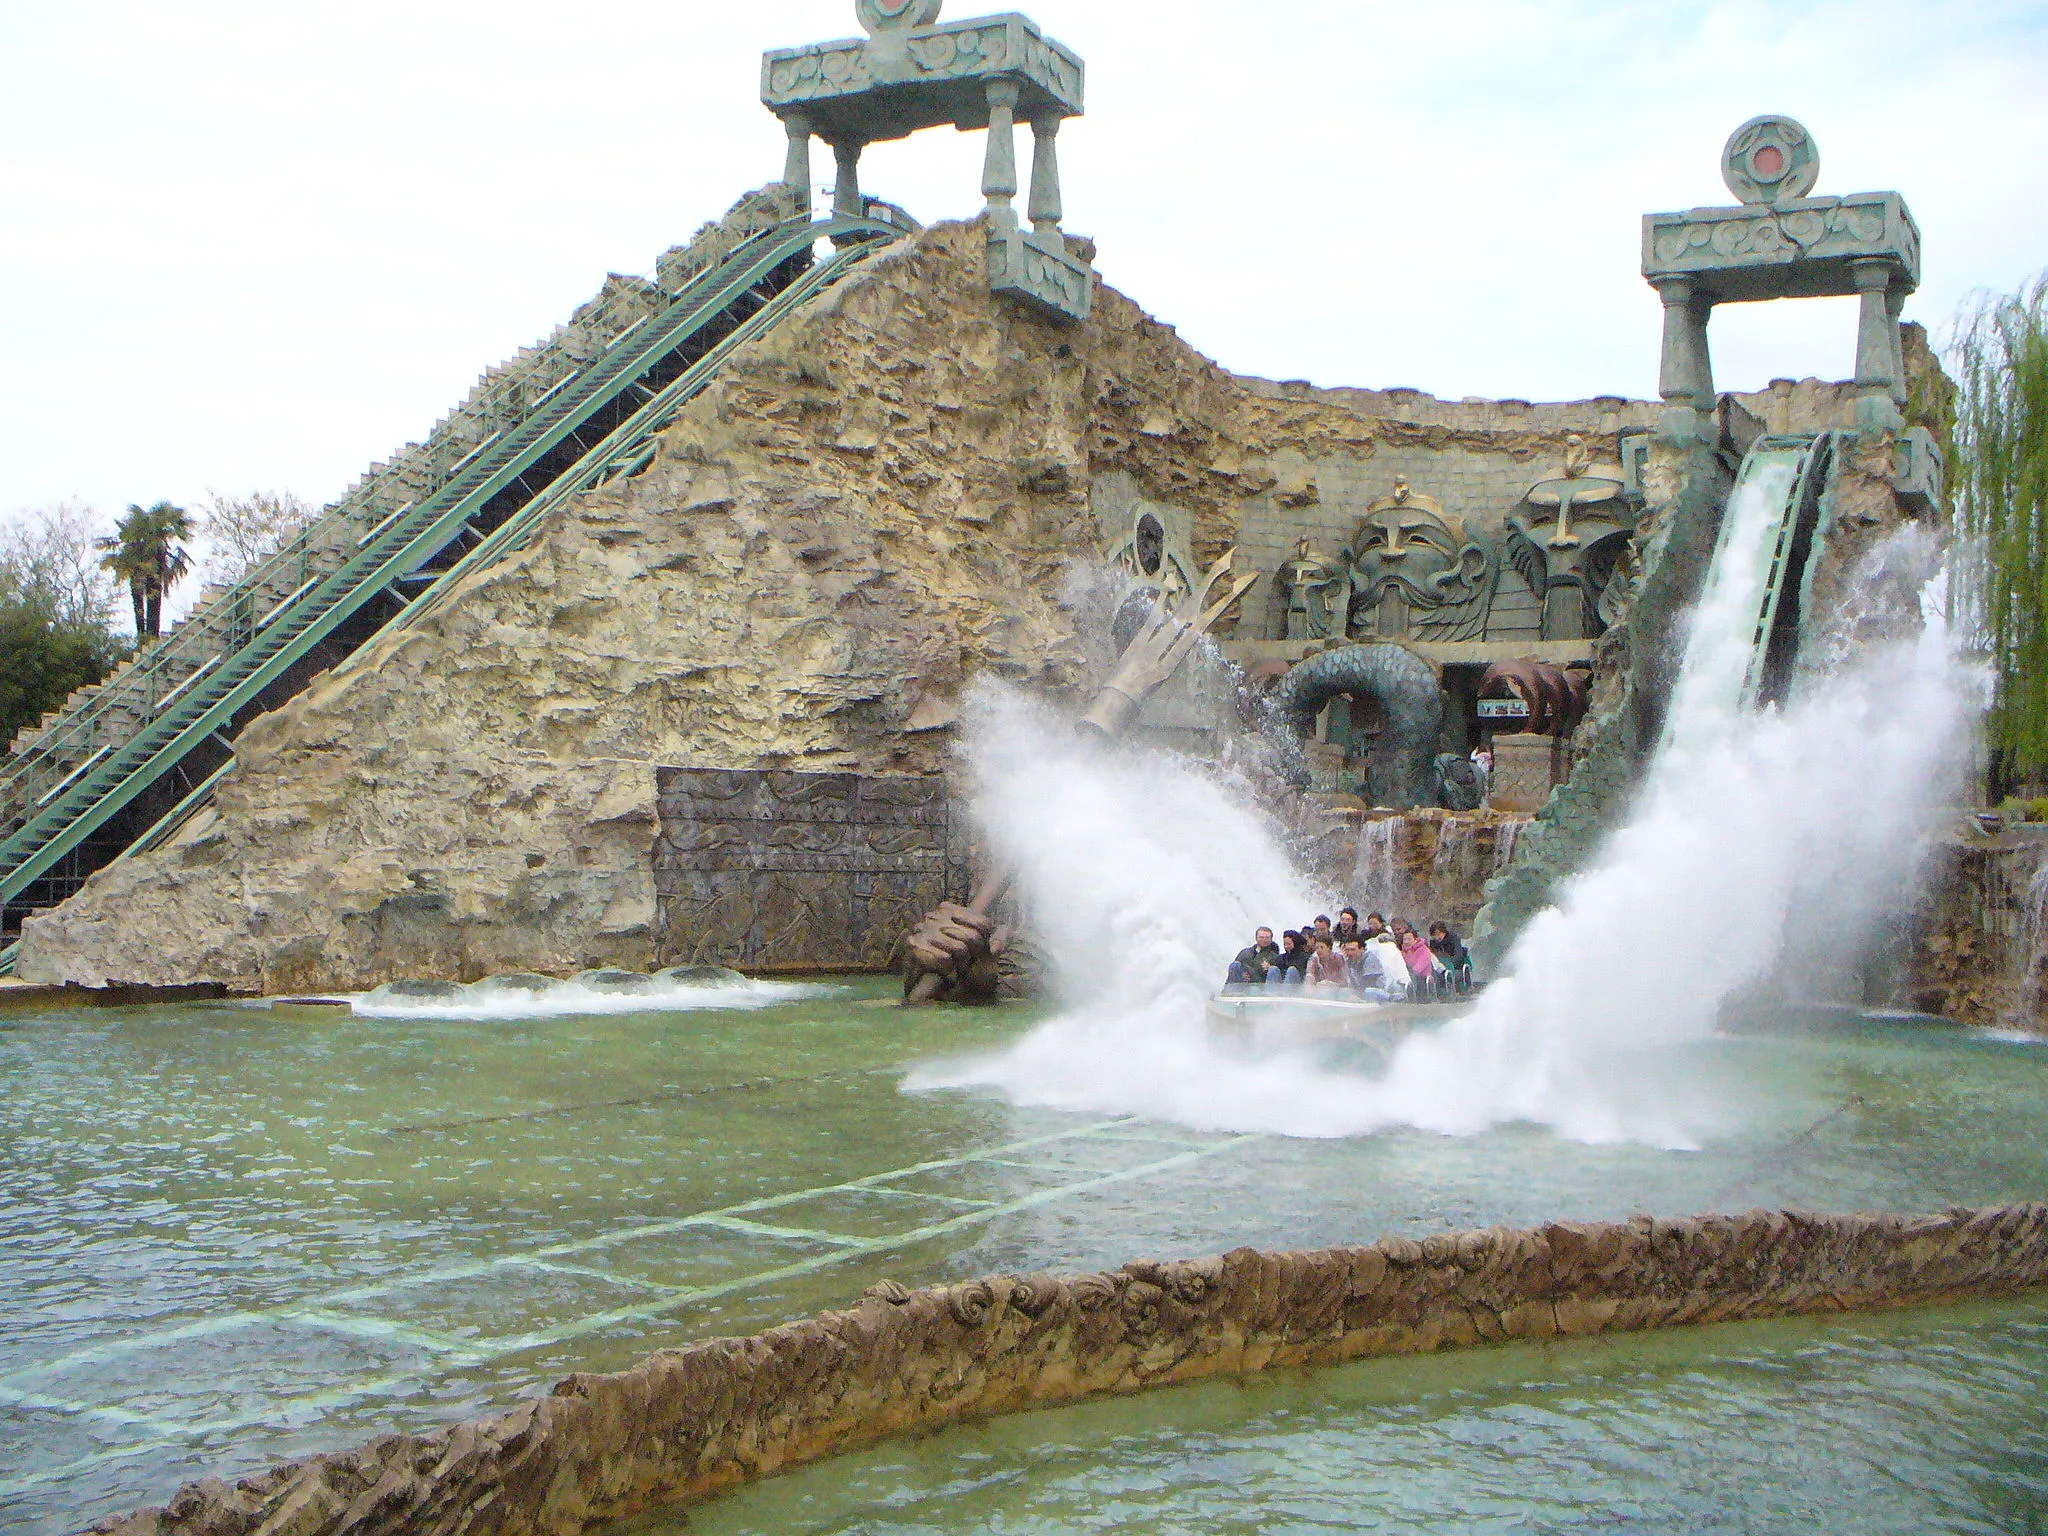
x=691 y=1422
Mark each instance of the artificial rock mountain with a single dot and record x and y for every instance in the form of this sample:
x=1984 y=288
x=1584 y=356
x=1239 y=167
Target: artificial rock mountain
x=872 y=505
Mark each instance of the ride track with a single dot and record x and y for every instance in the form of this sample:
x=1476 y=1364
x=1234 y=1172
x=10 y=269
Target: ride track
x=197 y=688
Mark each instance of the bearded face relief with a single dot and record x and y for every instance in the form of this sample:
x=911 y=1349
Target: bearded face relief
x=1569 y=539
x=1414 y=572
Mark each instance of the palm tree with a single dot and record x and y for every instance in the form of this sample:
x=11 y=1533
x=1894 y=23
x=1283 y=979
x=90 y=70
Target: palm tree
x=146 y=551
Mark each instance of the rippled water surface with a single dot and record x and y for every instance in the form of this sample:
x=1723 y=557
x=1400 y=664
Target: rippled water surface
x=227 y=1237
x=1911 y=1423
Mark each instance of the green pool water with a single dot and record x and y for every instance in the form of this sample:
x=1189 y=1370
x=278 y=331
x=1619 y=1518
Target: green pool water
x=1908 y=1423
x=228 y=1238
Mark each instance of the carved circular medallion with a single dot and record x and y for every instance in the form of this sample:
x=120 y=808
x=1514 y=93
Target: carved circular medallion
x=1770 y=159
x=880 y=16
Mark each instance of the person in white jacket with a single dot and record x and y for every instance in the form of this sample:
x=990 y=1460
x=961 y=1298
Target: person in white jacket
x=1392 y=967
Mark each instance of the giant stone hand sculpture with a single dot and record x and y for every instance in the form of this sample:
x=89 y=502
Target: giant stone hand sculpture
x=953 y=955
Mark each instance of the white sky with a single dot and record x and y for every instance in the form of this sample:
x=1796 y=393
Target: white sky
x=246 y=244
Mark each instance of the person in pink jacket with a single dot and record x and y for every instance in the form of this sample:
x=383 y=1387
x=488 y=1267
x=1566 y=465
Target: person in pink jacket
x=1422 y=962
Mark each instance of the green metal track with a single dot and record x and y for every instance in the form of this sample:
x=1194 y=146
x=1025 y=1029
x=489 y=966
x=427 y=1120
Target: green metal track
x=207 y=700
x=1775 y=644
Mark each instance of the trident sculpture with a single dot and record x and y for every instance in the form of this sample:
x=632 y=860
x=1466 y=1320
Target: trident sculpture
x=952 y=955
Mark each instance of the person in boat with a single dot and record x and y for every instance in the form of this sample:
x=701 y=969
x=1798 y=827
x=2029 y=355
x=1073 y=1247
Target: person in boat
x=1249 y=968
x=1452 y=955
x=1415 y=952
x=1326 y=969
x=1375 y=926
x=1291 y=969
x=1346 y=928
x=1368 y=976
x=1320 y=929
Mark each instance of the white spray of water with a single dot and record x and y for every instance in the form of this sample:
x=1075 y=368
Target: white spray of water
x=541 y=998
x=1148 y=873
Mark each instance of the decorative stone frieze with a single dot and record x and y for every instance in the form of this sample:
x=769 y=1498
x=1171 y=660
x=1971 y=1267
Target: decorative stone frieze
x=898 y=83
x=1794 y=250
x=1042 y=272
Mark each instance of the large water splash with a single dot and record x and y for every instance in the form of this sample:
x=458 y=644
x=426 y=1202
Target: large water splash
x=1145 y=872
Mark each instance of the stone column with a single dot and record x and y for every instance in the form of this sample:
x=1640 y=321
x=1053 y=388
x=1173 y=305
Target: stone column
x=796 y=165
x=1877 y=347
x=999 y=168
x=1895 y=304
x=1045 y=207
x=846 y=194
x=1685 y=375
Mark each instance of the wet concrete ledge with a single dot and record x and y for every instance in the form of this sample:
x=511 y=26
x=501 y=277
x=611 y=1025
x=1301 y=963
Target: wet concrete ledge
x=18 y=995
x=689 y=1423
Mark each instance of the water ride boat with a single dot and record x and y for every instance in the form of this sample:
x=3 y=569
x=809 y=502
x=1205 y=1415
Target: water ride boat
x=1291 y=1016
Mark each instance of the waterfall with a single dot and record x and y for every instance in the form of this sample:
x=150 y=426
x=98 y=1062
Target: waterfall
x=1453 y=835
x=1374 y=877
x=1506 y=834
x=2028 y=957
x=1708 y=697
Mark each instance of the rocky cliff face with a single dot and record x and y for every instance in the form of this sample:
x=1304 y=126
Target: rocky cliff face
x=874 y=503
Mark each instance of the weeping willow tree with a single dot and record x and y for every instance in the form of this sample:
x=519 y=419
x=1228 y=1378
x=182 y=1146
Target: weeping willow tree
x=2000 y=486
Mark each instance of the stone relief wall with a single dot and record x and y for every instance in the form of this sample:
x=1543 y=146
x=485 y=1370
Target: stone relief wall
x=801 y=871
x=1479 y=459
x=692 y=1422
x=1479 y=483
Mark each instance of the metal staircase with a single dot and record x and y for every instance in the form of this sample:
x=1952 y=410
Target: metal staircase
x=166 y=723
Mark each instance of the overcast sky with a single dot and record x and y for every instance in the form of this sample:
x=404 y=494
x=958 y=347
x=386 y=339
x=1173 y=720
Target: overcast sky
x=246 y=244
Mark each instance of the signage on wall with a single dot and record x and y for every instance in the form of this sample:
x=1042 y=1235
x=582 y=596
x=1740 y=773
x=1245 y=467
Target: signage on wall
x=1503 y=709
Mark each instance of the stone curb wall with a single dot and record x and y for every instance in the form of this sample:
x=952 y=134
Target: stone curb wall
x=692 y=1422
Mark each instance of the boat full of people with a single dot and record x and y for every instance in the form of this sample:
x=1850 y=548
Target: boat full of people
x=1368 y=979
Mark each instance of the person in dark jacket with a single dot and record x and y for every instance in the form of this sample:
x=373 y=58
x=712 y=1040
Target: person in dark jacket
x=1452 y=955
x=1291 y=969
x=1347 y=928
x=1249 y=968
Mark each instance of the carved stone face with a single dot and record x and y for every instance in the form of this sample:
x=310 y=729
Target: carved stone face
x=1148 y=547
x=1564 y=531
x=1420 y=552
x=1569 y=555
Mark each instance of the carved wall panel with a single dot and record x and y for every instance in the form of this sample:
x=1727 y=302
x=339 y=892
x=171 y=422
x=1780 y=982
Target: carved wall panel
x=767 y=870
x=1148 y=539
